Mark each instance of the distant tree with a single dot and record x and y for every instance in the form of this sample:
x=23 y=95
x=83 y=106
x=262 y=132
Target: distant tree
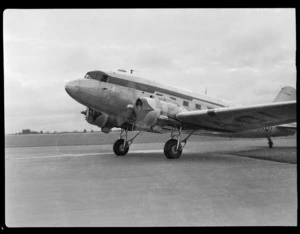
x=41 y=132
x=92 y=130
x=84 y=130
x=26 y=131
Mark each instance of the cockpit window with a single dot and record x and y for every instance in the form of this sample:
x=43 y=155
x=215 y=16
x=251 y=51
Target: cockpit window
x=104 y=78
x=97 y=75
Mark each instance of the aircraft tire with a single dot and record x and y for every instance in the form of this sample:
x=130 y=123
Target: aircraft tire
x=270 y=145
x=119 y=149
x=170 y=149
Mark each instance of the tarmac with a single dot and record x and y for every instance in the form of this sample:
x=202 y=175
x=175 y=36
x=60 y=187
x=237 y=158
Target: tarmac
x=214 y=183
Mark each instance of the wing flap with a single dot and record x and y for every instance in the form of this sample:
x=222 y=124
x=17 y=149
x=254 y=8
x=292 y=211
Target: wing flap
x=235 y=119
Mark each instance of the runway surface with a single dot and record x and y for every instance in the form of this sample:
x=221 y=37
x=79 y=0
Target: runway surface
x=88 y=186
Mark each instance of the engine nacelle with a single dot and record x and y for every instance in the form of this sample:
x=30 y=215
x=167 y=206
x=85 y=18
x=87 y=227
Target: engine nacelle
x=105 y=122
x=149 y=111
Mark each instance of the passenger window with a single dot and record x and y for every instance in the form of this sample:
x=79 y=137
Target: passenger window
x=173 y=98
x=158 y=94
x=185 y=103
x=209 y=107
x=198 y=107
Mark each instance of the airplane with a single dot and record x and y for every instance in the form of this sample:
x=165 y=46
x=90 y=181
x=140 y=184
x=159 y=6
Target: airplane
x=115 y=99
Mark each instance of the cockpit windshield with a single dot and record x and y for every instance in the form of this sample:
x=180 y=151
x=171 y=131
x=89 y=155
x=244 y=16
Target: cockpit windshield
x=97 y=75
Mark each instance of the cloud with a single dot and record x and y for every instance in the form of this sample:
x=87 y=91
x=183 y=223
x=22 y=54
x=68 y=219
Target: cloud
x=153 y=58
x=260 y=38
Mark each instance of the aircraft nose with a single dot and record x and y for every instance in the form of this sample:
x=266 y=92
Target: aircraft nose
x=72 y=87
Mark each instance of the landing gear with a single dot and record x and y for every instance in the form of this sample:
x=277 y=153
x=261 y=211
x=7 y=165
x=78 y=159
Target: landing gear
x=270 y=142
x=173 y=148
x=121 y=146
x=170 y=149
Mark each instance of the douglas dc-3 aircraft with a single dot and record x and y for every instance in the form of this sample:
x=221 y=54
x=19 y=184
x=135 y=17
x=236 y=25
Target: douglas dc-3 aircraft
x=121 y=100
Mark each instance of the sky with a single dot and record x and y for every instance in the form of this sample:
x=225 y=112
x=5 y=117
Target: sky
x=244 y=56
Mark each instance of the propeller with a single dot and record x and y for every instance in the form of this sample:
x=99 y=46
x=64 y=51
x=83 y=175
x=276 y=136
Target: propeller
x=85 y=113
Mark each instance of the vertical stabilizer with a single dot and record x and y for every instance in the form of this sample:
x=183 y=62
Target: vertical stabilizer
x=286 y=94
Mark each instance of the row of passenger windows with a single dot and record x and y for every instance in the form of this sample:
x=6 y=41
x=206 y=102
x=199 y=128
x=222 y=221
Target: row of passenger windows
x=197 y=106
x=186 y=103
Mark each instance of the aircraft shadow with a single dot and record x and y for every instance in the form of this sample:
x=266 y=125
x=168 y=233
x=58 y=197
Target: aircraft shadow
x=285 y=154
x=185 y=157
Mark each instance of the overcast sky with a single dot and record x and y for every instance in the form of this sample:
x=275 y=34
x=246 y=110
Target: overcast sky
x=241 y=55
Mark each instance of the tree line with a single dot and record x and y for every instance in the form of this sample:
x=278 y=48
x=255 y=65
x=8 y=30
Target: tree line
x=28 y=131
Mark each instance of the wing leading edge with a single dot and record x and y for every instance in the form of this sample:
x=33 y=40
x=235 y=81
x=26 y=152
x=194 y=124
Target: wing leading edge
x=236 y=119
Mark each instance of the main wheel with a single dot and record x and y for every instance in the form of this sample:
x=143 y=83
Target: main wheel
x=170 y=149
x=119 y=148
x=270 y=144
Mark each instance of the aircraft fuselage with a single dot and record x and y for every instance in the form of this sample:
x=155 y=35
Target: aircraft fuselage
x=114 y=94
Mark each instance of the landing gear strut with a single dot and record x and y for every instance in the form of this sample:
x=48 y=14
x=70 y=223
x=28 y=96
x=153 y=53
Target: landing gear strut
x=121 y=146
x=270 y=142
x=173 y=147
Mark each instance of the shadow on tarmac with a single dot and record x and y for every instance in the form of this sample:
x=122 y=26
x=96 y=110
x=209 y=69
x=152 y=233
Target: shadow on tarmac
x=283 y=154
x=279 y=154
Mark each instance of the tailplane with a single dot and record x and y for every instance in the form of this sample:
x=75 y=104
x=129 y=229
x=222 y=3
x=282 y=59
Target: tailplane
x=287 y=93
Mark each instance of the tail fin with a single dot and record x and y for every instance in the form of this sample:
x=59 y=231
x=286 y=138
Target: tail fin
x=287 y=93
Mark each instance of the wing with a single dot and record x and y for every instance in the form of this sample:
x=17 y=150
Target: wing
x=236 y=119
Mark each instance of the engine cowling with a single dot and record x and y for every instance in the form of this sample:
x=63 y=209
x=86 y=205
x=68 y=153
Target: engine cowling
x=105 y=122
x=149 y=111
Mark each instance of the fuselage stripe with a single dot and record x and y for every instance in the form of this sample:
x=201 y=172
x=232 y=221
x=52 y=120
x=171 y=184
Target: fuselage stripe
x=153 y=89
